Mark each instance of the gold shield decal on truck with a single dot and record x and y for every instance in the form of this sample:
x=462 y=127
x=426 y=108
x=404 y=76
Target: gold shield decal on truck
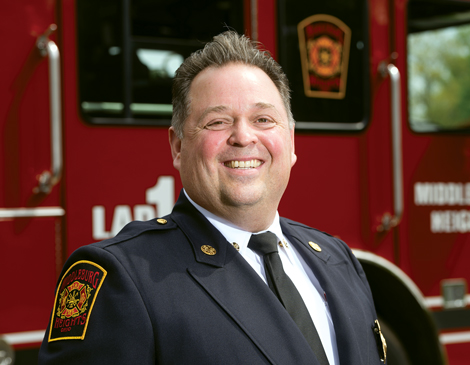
x=324 y=43
x=74 y=301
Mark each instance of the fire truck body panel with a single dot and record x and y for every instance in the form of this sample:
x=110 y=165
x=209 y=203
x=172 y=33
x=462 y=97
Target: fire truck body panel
x=399 y=200
x=30 y=223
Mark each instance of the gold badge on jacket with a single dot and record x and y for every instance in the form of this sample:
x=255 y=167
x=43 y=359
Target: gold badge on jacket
x=208 y=250
x=380 y=339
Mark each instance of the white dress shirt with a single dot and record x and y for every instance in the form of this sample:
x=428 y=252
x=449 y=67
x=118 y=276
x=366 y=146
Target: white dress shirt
x=295 y=267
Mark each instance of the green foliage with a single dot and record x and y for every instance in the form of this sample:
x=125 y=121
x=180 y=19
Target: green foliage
x=439 y=78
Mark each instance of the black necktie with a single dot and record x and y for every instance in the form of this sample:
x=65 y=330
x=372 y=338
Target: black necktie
x=265 y=244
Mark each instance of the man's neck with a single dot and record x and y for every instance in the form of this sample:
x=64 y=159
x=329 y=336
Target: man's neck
x=246 y=219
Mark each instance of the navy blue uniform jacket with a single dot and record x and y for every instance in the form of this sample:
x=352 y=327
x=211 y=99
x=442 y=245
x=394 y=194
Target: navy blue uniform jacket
x=165 y=301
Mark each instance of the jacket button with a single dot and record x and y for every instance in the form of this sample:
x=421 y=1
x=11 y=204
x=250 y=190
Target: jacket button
x=208 y=250
x=315 y=246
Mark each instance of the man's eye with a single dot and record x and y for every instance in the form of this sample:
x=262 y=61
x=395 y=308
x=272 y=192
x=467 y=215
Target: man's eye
x=218 y=124
x=264 y=121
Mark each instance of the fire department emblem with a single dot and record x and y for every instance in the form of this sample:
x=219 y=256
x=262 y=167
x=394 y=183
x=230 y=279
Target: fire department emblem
x=324 y=56
x=75 y=297
x=73 y=300
x=324 y=48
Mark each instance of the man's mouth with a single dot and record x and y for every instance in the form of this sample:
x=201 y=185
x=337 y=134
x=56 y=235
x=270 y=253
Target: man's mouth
x=251 y=164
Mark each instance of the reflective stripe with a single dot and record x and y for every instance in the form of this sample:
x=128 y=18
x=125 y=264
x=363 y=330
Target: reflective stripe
x=31 y=212
x=456 y=337
x=438 y=301
x=432 y=302
x=21 y=338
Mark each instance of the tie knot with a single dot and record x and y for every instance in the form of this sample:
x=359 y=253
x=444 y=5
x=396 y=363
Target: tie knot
x=263 y=243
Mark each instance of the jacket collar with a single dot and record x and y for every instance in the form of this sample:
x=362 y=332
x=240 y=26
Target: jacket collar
x=200 y=233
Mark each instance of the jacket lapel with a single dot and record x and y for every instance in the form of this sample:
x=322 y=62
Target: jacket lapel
x=331 y=268
x=237 y=288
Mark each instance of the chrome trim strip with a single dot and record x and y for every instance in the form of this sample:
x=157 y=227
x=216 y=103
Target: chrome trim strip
x=330 y=126
x=254 y=19
x=48 y=48
x=31 y=212
x=395 y=91
x=56 y=114
x=20 y=338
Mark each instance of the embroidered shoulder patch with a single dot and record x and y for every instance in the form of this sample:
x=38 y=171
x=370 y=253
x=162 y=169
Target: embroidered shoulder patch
x=74 y=300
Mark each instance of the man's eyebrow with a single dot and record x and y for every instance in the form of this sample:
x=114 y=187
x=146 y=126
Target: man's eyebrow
x=213 y=109
x=262 y=105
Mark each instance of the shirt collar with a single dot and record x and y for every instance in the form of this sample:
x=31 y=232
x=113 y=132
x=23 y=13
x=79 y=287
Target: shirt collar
x=231 y=232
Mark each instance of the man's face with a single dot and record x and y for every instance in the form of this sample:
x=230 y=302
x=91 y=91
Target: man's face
x=237 y=150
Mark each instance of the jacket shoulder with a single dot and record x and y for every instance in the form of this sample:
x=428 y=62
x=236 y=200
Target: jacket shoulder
x=298 y=225
x=306 y=233
x=138 y=228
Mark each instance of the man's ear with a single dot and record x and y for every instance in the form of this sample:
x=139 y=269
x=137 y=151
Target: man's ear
x=175 y=144
x=293 y=156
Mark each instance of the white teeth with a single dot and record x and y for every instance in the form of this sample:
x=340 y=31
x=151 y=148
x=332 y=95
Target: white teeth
x=243 y=164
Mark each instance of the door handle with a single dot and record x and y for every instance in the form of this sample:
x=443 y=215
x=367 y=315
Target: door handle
x=389 y=221
x=48 y=48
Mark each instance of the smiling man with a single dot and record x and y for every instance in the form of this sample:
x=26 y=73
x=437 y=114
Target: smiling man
x=236 y=149
x=222 y=279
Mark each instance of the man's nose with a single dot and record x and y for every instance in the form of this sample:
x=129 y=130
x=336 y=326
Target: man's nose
x=243 y=134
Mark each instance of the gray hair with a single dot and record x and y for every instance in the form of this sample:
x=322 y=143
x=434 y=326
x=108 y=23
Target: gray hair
x=227 y=47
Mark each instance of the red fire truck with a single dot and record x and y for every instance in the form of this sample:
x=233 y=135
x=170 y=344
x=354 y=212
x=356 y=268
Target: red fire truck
x=381 y=96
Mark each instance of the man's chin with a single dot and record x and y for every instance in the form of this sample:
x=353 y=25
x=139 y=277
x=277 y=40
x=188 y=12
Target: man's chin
x=241 y=198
